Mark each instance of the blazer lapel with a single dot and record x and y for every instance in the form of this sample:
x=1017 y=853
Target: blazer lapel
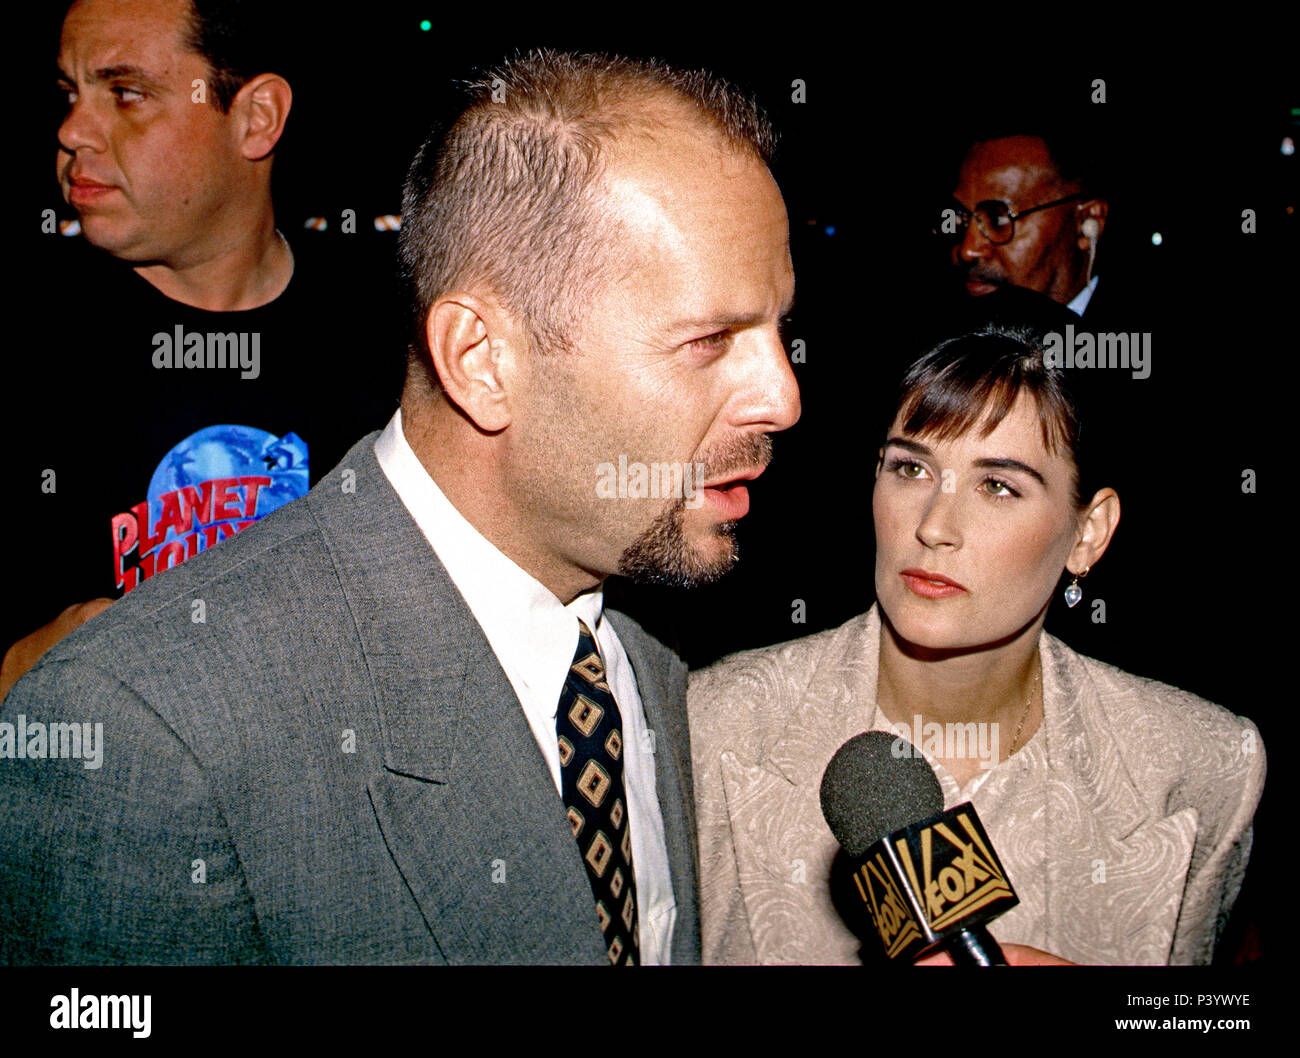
x=1115 y=870
x=465 y=801
x=784 y=851
x=663 y=698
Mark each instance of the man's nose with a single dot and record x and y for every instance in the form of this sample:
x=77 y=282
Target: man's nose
x=974 y=244
x=769 y=393
x=80 y=128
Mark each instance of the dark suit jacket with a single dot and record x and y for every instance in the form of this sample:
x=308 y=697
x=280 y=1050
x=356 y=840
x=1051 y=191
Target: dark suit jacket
x=329 y=767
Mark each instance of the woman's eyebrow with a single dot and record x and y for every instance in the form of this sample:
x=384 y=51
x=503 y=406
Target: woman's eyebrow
x=982 y=464
x=1010 y=464
x=910 y=446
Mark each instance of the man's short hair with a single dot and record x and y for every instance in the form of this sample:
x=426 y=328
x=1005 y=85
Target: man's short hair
x=237 y=39
x=234 y=37
x=510 y=192
x=1075 y=151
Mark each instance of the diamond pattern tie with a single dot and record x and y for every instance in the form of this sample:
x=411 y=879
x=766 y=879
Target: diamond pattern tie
x=590 y=732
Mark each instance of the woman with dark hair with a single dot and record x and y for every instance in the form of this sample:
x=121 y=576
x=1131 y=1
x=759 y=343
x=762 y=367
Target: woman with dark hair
x=1121 y=808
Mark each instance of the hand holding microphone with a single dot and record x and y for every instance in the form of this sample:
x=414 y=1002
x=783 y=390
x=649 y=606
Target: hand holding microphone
x=1016 y=954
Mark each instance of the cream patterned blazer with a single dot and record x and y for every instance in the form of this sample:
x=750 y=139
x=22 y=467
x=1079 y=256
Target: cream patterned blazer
x=1124 y=824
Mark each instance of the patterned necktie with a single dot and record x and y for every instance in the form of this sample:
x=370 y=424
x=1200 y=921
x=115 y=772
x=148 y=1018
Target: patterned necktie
x=590 y=732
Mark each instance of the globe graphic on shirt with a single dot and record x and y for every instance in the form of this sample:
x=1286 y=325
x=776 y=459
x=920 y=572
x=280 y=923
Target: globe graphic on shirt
x=231 y=451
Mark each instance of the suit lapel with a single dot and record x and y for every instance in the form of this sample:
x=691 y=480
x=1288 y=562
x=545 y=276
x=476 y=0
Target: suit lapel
x=1115 y=869
x=663 y=699
x=465 y=800
x=784 y=851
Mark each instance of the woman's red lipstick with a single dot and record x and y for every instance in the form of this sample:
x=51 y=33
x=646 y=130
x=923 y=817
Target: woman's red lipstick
x=931 y=585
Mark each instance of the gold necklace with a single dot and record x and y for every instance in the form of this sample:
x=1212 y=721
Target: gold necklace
x=1029 y=699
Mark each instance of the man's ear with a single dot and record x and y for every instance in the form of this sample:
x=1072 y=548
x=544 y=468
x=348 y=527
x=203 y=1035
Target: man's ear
x=262 y=108
x=473 y=354
x=1097 y=526
x=1093 y=209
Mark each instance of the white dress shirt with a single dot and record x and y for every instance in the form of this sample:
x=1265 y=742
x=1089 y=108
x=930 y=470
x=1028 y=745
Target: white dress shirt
x=1081 y=299
x=534 y=637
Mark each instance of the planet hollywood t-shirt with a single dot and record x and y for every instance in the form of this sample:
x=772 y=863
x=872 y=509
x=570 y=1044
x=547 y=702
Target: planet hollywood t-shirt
x=151 y=431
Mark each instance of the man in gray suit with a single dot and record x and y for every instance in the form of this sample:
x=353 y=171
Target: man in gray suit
x=358 y=731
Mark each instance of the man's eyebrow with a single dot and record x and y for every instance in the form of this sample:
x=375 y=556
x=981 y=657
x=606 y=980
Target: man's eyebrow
x=982 y=464
x=723 y=320
x=113 y=73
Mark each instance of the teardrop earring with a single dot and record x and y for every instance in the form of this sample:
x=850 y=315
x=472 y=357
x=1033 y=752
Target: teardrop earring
x=1074 y=593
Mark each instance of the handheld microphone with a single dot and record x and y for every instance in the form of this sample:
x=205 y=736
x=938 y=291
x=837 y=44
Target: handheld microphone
x=929 y=878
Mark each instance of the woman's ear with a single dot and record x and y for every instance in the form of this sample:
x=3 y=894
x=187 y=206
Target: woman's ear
x=1096 y=526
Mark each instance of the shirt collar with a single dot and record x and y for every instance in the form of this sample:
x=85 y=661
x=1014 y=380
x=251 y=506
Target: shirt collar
x=1081 y=299
x=532 y=633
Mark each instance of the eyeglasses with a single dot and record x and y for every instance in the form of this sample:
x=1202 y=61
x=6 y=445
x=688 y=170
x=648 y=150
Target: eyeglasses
x=996 y=219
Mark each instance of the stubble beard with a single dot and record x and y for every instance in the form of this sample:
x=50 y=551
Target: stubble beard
x=663 y=556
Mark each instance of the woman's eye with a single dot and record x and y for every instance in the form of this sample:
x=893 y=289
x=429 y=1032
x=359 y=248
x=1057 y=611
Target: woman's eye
x=906 y=468
x=994 y=487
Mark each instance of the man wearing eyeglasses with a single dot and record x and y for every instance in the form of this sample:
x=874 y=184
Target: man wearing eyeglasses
x=1023 y=224
x=1020 y=218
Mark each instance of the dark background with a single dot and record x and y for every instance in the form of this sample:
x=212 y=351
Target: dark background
x=1189 y=137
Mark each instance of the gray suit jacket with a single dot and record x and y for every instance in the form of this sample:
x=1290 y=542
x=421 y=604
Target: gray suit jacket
x=329 y=767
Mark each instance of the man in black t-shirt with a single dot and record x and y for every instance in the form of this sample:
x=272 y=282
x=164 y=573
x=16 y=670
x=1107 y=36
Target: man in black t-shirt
x=209 y=374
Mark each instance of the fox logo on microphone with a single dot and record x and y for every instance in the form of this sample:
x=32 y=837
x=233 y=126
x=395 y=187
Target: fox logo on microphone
x=931 y=880
x=890 y=914
x=958 y=877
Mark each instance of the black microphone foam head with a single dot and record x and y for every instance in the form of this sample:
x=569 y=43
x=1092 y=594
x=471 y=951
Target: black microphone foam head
x=875 y=784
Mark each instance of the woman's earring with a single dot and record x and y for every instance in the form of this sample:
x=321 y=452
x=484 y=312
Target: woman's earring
x=1074 y=593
